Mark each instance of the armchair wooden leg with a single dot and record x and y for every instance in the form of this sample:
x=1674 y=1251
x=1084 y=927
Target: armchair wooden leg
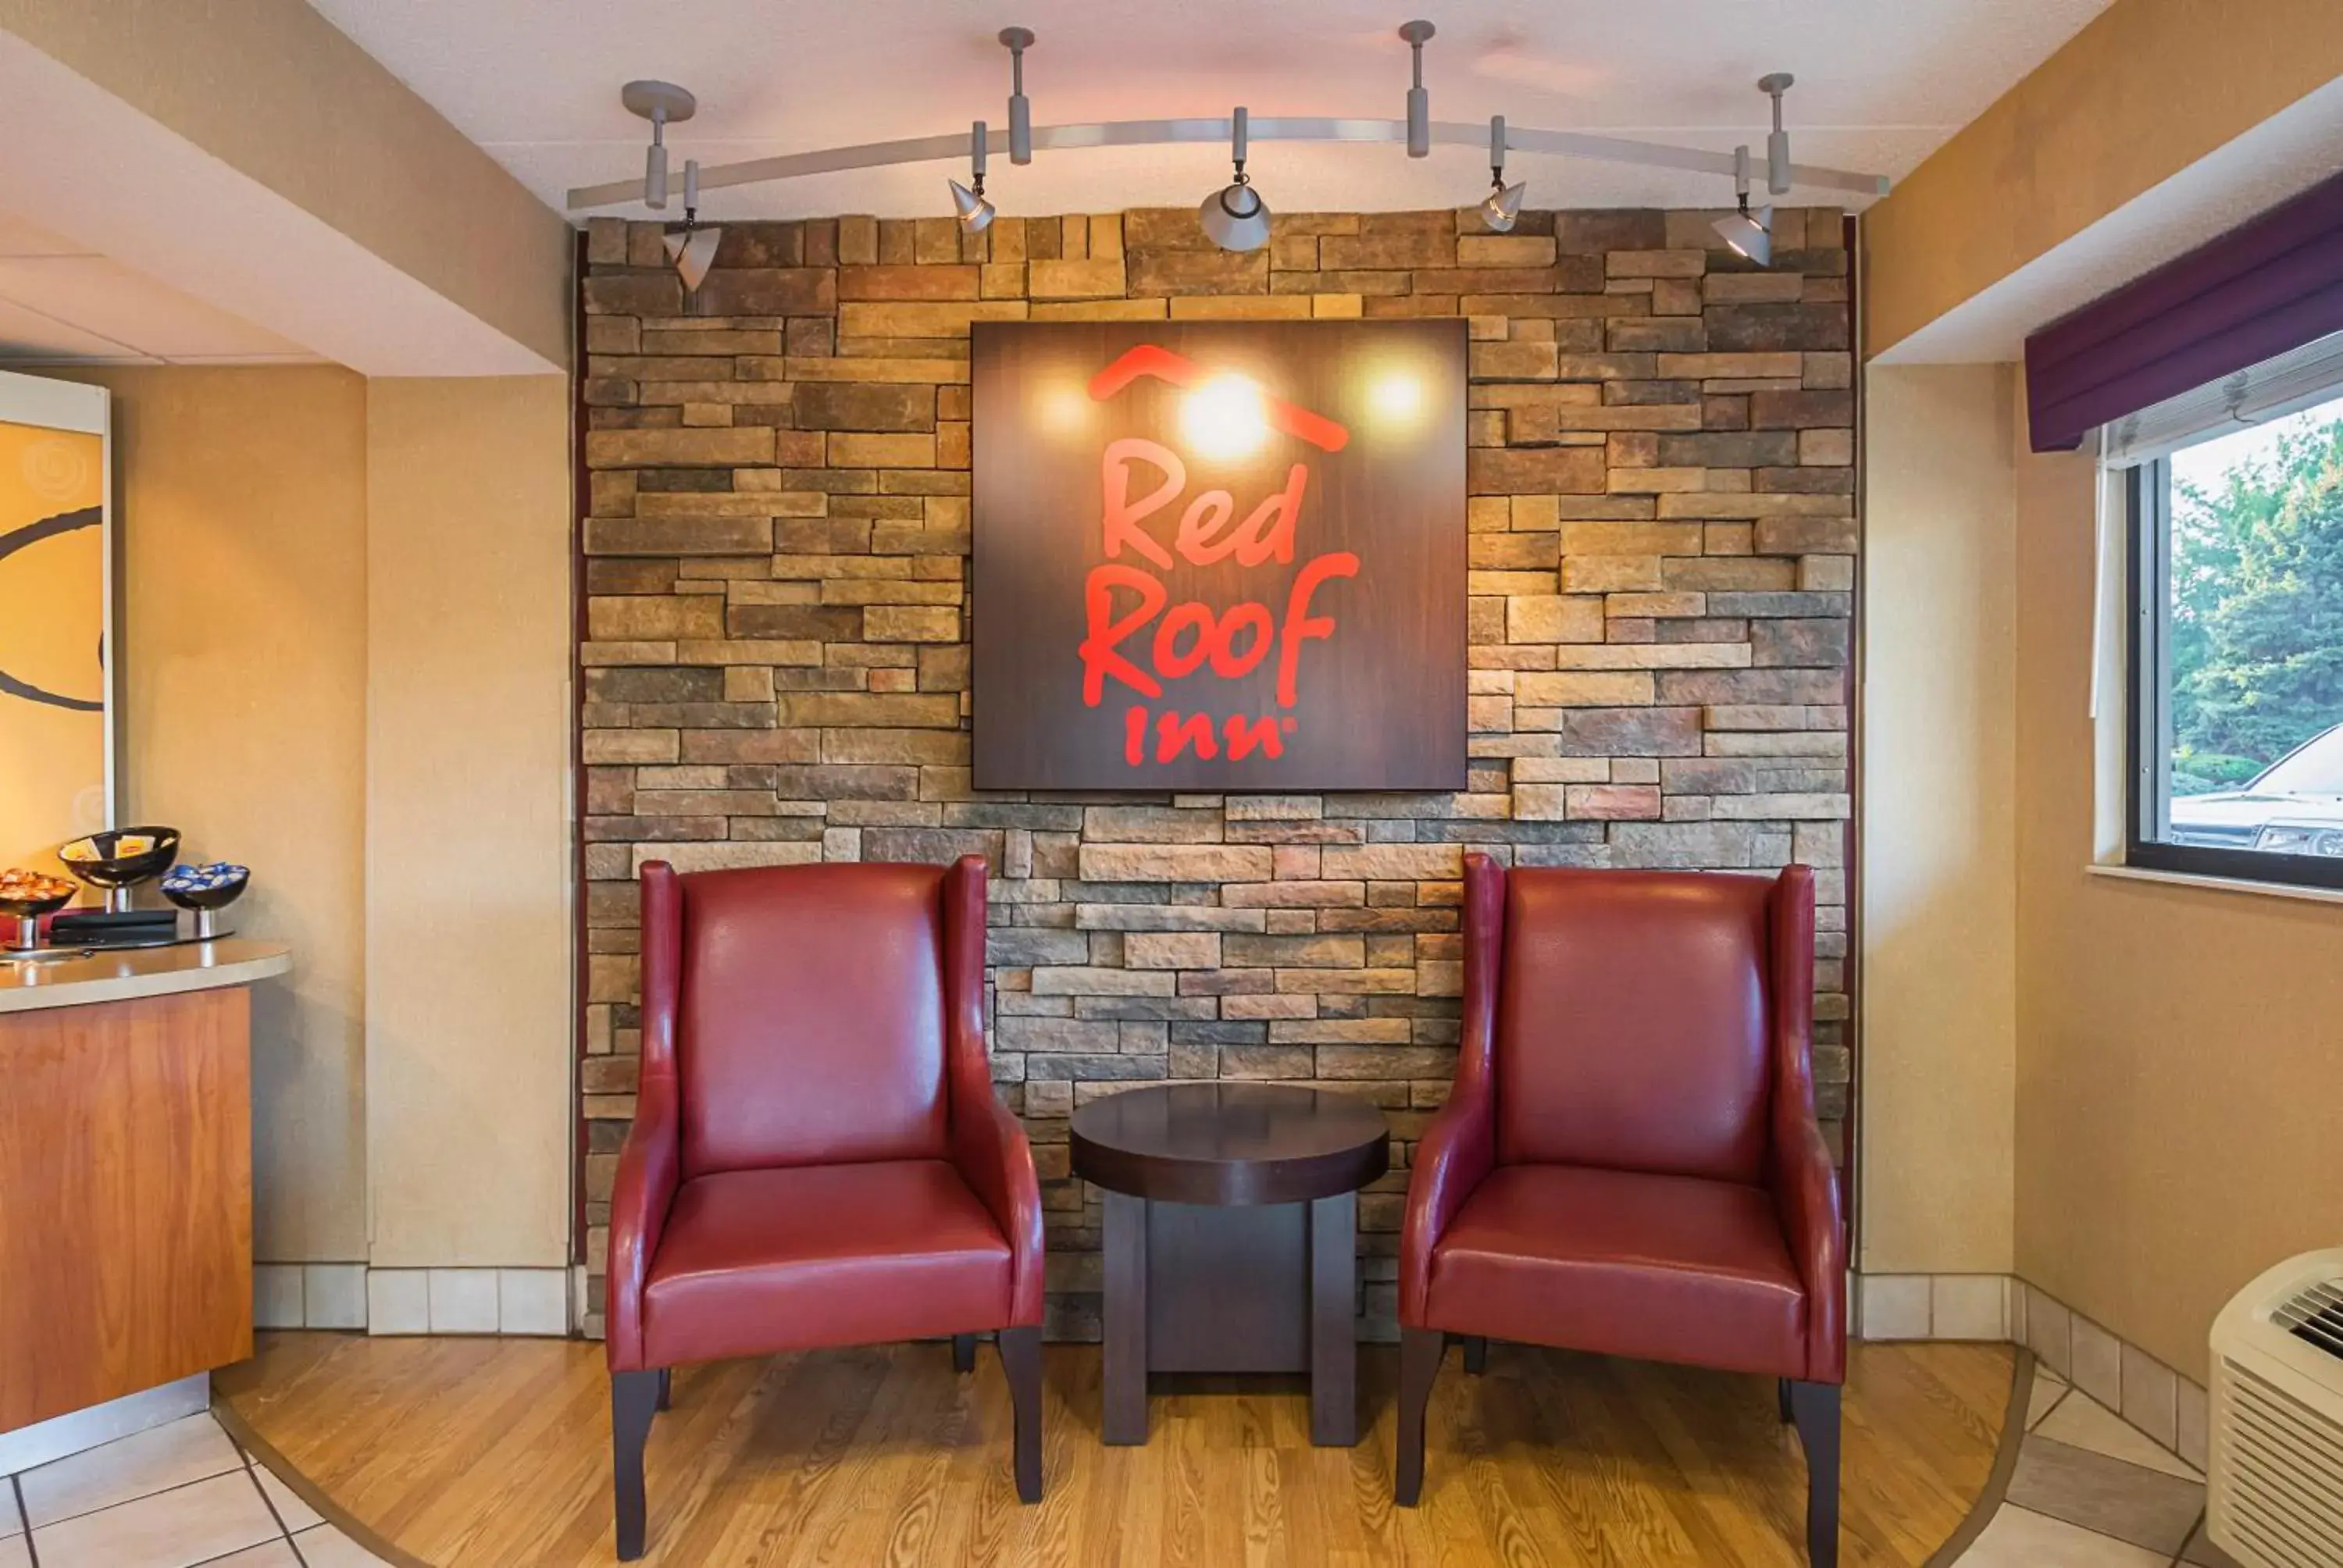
x=1781 y=1399
x=1476 y=1354
x=1020 y=1358
x=1420 y=1351
x=666 y=1388
x=634 y=1398
x=1817 y=1408
x=963 y=1353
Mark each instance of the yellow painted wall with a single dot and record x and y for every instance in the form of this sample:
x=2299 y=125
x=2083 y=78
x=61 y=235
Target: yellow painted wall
x=1939 y=754
x=2146 y=89
x=470 y=1114
x=346 y=646
x=2180 y=1049
x=242 y=508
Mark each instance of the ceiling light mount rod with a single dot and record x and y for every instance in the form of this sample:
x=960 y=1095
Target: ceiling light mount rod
x=1777 y=144
x=663 y=104
x=1017 y=40
x=1419 y=102
x=1260 y=128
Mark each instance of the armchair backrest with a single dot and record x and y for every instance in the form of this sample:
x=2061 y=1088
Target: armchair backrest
x=808 y=1011
x=1633 y=1022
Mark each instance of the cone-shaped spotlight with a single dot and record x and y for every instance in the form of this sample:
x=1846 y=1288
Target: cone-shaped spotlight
x=974 y=212
x=1501 y=207
x=1234 y=216
x=1745 y=233
x=1749 y=234
x=692 y=249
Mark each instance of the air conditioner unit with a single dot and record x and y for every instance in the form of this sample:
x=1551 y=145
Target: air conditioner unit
x=2275 y=1495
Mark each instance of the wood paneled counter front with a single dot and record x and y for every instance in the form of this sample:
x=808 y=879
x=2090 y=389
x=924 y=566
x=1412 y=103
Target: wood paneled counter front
x=126 y=1171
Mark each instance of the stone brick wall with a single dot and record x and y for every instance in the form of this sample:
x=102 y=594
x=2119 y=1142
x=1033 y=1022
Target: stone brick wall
x=775 y=670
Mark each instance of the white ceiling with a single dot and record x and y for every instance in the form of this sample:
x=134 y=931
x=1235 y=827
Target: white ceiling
x=108 y=199
x=62 y=303
x=1881 y=82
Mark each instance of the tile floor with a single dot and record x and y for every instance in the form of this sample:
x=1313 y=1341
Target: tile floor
x=2092 y=1492
x=174 y=1496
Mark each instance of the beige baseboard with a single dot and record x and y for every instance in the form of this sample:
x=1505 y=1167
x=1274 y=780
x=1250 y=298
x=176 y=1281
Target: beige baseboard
x=2163 y=1405
x=355 y=1297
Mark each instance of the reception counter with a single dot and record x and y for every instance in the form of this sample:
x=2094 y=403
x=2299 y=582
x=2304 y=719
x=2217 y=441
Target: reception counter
x=126 y=1171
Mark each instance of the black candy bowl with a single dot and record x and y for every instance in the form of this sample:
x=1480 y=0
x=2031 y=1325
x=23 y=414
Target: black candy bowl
x=206 y=889
x=100 y=859
x=23 y=915
x=212 y=887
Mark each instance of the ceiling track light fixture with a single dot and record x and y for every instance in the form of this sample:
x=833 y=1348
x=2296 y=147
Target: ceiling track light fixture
x=692 y=249
x=1234 y=216
x=663 y=104
x=975 y=213
x=1748 y=233
x=1501 y=207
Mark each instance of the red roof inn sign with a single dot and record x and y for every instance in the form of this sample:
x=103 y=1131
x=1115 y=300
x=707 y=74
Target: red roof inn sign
x=1219 y=555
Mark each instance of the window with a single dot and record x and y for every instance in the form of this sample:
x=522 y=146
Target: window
x=2237 y=665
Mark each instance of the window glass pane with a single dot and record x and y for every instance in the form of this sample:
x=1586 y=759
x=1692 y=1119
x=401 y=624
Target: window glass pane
x=2252 y=639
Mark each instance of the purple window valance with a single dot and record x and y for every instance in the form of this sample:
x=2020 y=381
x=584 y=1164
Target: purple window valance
x=2260 y=290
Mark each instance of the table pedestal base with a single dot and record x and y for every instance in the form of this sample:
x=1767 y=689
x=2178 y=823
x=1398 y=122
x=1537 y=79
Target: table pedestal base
x=1203 y=1288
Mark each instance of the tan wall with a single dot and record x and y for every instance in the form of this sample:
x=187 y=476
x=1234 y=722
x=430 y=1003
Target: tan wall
x=2177 y=1048
x=273 y=90
x=347 y=638
x=2146 y=90
x=1939 y=896
x=469 y=1108
x=242 y=525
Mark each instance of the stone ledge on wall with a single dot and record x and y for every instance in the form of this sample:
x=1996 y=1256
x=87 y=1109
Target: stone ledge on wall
x=774 y=668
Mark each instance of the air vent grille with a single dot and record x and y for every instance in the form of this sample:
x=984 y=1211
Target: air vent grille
x=2279 y=1472
x=2314 y=1316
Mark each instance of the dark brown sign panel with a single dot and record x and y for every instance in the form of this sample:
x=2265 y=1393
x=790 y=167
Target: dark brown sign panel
x=1220 y=556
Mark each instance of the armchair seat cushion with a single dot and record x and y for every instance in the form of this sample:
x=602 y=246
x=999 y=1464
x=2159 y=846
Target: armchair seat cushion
x=1658 y=1268
x=800 y=1257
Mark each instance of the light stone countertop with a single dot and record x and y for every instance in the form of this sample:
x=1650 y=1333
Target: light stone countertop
x=28 y=985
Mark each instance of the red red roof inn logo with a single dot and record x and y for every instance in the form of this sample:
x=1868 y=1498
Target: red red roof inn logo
x=1219 y=556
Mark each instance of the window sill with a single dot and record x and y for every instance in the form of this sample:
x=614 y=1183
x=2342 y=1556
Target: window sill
x=2220 y=884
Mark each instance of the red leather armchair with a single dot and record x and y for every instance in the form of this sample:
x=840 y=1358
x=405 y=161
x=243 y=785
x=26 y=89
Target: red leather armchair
x=818 y=1157
x=1628 y=1163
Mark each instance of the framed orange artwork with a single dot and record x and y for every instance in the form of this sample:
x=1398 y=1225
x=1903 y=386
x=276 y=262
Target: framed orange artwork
x=56 y=680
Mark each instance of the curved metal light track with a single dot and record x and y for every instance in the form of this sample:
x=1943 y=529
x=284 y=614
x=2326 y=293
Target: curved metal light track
x=1260 y=128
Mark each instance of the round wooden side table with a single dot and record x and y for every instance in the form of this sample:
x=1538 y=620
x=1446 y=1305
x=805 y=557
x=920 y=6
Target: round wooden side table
x=1231 y=1238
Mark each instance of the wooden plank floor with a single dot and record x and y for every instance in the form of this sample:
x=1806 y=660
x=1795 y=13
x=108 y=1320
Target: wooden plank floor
x=496 y=1452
